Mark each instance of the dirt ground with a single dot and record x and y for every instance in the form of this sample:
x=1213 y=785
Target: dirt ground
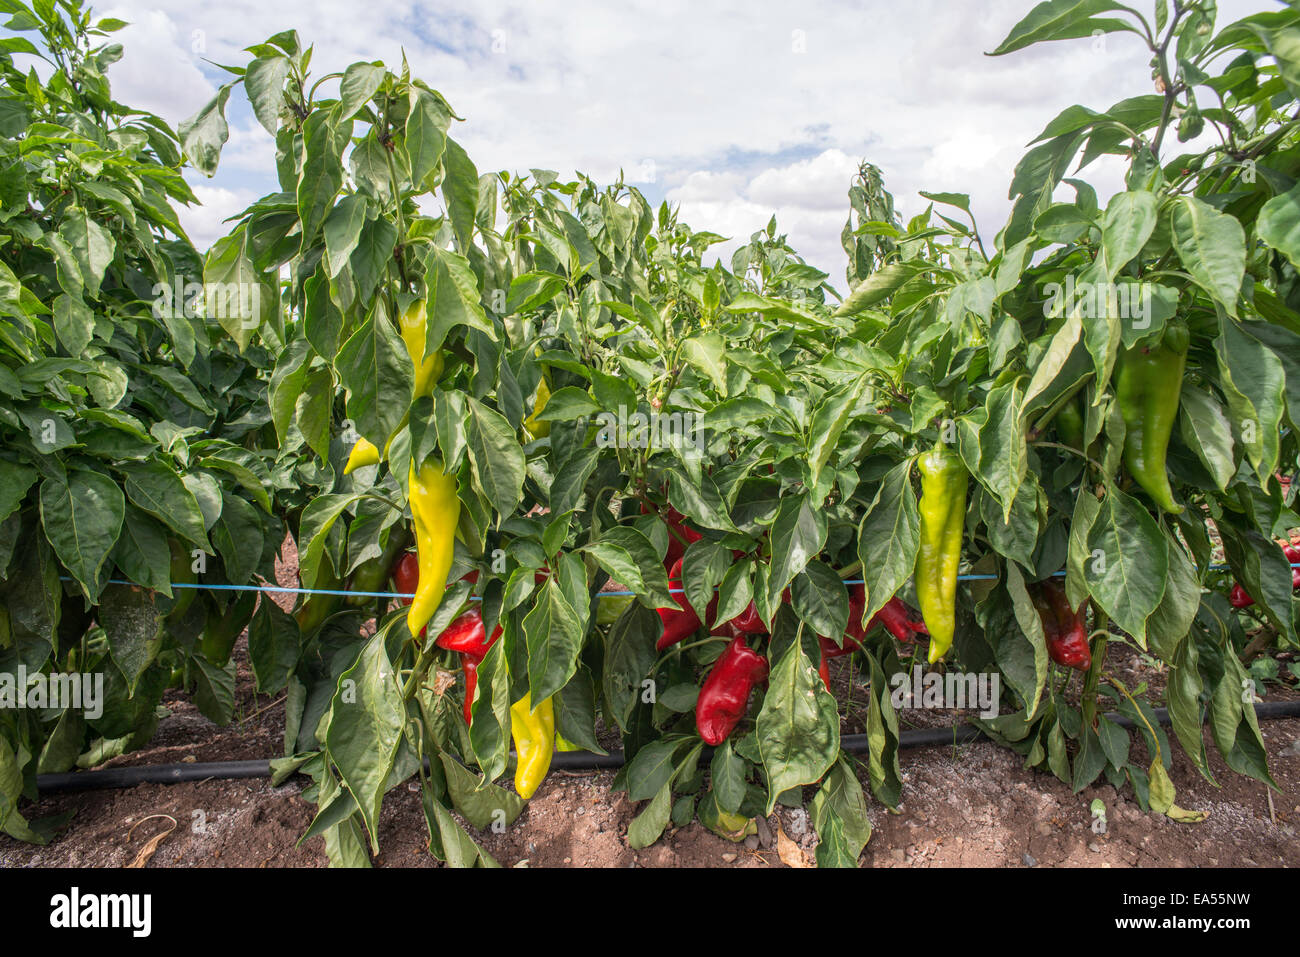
x=969 y=806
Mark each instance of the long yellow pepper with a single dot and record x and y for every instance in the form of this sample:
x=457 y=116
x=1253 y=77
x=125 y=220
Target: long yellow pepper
x=435 y=507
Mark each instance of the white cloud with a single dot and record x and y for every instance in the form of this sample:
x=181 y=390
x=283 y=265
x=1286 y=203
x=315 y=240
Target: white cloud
x=777 y=103
x=205 y=224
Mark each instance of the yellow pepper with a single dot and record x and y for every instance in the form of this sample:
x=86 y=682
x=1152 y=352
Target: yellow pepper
x=535 y=427
x=435 y=507
x=564 y=744
x=363 y=453
x=533 y=731
x=414 y=325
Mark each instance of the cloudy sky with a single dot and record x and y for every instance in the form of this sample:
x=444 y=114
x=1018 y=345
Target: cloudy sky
x=735 y=111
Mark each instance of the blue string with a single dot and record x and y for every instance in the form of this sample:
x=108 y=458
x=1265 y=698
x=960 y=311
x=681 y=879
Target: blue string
x=398 y=594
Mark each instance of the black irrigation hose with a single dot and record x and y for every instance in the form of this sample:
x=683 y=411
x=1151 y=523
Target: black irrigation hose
x=562 y=761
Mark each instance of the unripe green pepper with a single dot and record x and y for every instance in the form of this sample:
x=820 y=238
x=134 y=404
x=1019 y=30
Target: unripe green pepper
x=1148 y=385
x=182 y=572
x=1070 y=424
x=373 y=575
x=943 y=513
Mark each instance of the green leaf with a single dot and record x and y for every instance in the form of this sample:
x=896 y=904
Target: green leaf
x=82 y=518
x=496 y=458
x=314 y=527
x=1129 y=221
x=631 y=560
x=264 y=81
x=1204 y=426
x=214 y=690
x=554 y=635
x=365 y=727
x=360 y=82
x=205 y=133
x=342 y=230
x=1212 y=247
x=460 y=191
x=878 y=286
x=888 y=538
x=134 y=628
x=1129 y=562
x=324 y=139
x=273 y=646
x=1279 y=224
x=1060 y=20
x=162 y=493
x=478 y=801
x=798 y=727
x=705 y=351
x=839 y=816
x=647 y=826
x=798 y=536
x=1254 y=382
x=91 y=243
x=727 y=773
x=376 y=369
x=629 y=657
x=15 y=480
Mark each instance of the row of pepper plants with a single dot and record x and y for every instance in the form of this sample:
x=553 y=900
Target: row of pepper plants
x=452 y=384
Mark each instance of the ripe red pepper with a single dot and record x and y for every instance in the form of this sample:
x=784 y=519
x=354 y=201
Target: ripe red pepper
x=1238 y=597
x=406 y=576
x=470 y=667
x=824 y=669
x=682 y=622
x=679 y=535
x=746 y=623
x=725 y=696
x=895 y=616
x=1066 y=630
x=468 y=636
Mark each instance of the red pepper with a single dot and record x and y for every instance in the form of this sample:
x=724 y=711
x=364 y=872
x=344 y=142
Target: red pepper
x=746 y=623
x=470 y=667
x=678 y=624
x=1240 y=598
x=467 y=635
x=725 y=696
x=824 y=670
x=895 y=616
x=406 y=576
x=679 y=535
x=1065 y=628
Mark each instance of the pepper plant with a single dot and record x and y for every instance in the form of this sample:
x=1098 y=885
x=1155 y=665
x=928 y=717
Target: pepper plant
x=1044 y=440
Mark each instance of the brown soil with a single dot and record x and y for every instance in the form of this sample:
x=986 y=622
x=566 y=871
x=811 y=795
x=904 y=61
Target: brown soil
x=969 y=806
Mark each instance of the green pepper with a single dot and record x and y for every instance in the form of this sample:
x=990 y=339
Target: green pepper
x=317 y=608
x=943 y=514
x=224 y=626
x=1070 y=424
x=373 y=575
x=1149 y=382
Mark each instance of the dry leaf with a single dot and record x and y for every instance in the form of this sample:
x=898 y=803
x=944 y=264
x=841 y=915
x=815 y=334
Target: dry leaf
x=791 y=854
x=151 y=846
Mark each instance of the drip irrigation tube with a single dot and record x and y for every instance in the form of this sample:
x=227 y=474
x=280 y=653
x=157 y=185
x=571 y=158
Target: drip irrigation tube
x=563 y=761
